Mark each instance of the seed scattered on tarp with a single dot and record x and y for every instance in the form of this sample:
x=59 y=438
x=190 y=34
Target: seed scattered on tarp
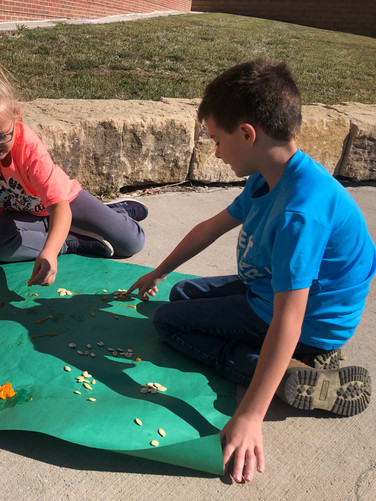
x=77 y=392
x=161 y=432
x=154 y=443
x=138 y=359
x=85 y=374
x=100 y=343
x=92 y=314
x=152 y=388
x=104 y=298
x=160 y=387
x=42 y=335
x=114 y=353
x=138 y=421
x=88 y=346
x=104 y=290
x=129 y=350
x=43 y=319
x=92 y=355
x=93 y=381
x=87 y=386
x=67 y=368
x=72 y=345
x=79 y=352
x=64 y=292
x=86 y=353
x=110 y=349
x=92 y=399
x=80 y=379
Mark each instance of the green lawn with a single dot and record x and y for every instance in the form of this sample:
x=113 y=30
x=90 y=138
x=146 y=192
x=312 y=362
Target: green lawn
x=177 y=56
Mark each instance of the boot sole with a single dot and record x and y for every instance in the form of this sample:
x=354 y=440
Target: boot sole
x=345 y=392
x=329 y=360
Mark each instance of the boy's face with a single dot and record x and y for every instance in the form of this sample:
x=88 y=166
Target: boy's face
x=234 y=149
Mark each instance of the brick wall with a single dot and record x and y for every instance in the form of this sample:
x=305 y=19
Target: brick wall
x=339 y=15
x=32 y=10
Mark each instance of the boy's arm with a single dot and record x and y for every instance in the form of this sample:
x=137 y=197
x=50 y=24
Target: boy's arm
x=242 y=435
x=45 y=267
x=200 y=237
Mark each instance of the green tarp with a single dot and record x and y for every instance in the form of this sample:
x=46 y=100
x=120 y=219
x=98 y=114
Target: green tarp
x=36 y=327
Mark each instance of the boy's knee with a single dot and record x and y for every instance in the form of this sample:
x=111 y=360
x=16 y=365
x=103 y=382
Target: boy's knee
x=178 y=291
x=164 y=320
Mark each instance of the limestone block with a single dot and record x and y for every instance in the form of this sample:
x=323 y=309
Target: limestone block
x=109 y=144
x=205 y=166
x=323 y=135
x=359 y=162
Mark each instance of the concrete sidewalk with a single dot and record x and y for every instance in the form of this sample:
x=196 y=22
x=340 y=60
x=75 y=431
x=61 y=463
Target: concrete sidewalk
x=48 y=23
x=309 y=457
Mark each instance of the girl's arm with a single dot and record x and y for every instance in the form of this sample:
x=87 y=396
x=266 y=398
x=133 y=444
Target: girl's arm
x=45 y=267
x=198 y=239
x=242 y=435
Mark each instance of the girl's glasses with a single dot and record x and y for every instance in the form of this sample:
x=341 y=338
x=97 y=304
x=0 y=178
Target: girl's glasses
x=5 y=138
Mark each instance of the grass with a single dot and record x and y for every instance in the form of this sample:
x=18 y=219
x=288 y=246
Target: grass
x=177 y=56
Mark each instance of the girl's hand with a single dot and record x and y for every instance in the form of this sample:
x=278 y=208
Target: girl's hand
x=146 y=285
x=242 y=440
x=45 y=269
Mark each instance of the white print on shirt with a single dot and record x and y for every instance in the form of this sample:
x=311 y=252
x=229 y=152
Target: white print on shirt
x=14 y=198
x=247 y=269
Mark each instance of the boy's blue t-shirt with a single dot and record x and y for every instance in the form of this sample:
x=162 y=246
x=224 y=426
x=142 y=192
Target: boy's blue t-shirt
x=306 y=232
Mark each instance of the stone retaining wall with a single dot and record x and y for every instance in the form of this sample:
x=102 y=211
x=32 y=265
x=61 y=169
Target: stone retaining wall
x=110 y=144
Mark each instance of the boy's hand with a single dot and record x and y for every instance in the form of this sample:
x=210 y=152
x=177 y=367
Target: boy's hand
x=146 y=285
x=242 y=440
x=45 y=269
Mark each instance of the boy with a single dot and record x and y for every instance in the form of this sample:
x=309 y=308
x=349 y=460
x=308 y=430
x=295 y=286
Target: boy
x=305 y=260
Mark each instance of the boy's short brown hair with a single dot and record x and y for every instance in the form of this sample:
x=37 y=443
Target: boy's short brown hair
x=260 y=92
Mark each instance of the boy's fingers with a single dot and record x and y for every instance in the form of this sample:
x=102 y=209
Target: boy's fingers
x=249 y=466
x=238 y=466
x=260 y=460
x=227 y=455
x=132 y=288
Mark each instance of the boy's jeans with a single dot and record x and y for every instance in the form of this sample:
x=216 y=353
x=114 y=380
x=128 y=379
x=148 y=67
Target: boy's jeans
x=210 y=319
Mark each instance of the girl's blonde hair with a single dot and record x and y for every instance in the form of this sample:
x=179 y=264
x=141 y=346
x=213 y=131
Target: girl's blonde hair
x=9 y=106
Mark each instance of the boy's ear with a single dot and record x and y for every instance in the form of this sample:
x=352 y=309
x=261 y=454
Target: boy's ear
x=249 y=133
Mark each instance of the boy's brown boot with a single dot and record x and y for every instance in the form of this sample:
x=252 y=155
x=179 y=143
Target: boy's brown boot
x=345 y=391
x=328 y=360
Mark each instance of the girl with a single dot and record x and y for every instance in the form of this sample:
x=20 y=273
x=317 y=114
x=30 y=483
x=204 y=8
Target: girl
x=44 y=213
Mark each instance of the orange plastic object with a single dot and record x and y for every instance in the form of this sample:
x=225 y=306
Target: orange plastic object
x=6 y=391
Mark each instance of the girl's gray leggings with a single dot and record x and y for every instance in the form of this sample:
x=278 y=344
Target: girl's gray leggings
x=22 y=235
